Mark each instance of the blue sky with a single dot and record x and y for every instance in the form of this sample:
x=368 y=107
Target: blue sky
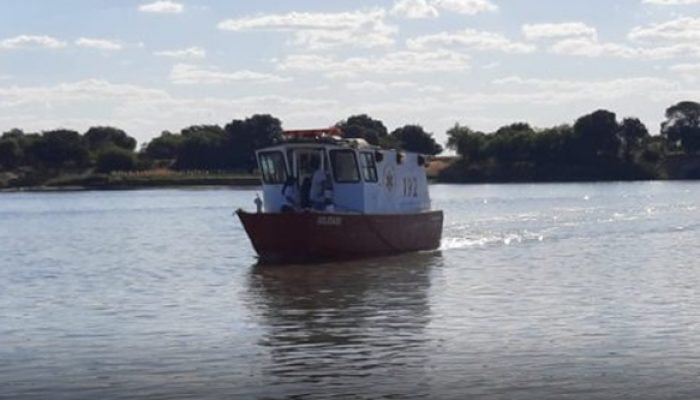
x=148 y=66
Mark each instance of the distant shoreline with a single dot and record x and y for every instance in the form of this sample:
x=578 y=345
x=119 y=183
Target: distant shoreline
x=681 y=168
x=248 y=184
x=134 y=182
x=66 y=189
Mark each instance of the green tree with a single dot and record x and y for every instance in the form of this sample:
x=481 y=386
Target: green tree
x=164 y=147
x=194 y=130
x=115 y=158
x=596 y=136
x=202 y=147
x=654 y=150
x=10 y=153
x=60 y=149
x=467 y=143
x=244 y=137
x=553 y=146
x=511 y=143
x=13 y=154
x=100 y=137
x=682 y=126
x=413 y=138
x=514 y=129
x=633 y=133
x=15 y=133
x=365 y=127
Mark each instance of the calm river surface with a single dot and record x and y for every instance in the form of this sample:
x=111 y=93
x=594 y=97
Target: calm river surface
x=538 y=292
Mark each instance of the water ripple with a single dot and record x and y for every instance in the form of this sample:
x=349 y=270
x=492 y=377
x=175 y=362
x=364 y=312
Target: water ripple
x=537 y=292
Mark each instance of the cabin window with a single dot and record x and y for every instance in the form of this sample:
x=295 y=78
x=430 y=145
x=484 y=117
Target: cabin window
x=345 y=166
x=304 y=160
x=369 y=167
x=272 y=167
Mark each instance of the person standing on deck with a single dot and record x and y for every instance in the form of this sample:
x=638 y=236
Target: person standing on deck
x=317 y=185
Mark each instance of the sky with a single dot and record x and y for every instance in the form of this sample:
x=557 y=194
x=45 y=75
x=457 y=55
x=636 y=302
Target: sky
x=148 y=66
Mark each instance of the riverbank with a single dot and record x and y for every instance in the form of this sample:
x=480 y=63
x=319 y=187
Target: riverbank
x=446 y=169
x=130 y=180
x=672 y=167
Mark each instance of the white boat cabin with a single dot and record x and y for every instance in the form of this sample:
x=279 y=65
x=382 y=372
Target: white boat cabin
x=316 y=170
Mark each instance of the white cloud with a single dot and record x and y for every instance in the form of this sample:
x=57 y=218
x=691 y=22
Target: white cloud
x=174 y=113
x=100 y=44
x=591 y=47
x=429 y=8
x=186 y=74
x=670 y=51
x=552 y=91
x=560 y=30
x=686 y=68
x=400 y=62
x=367 y=86
x=141 y=111
x=571 y=85
x=542 y=102
x=31 y=41
x=84 y=90
x=144 y=112
x=414 y=9
x=671 y=2
x=689 y=72
x=430 y=89
x=373 y=86
x=679 y=29
x=294 y=21
x=472 y=39
x=162 y=7
x=324 y=39
x=468 y=7
x=192 y=52
x=579 y=39
x=322 y=30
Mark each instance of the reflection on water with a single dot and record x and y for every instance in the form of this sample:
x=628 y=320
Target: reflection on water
x=353 y=327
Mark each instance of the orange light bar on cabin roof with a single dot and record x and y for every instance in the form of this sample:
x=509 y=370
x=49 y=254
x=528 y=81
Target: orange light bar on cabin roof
x=312 y=133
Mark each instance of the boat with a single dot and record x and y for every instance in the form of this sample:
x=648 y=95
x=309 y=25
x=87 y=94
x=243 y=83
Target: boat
x=326 y=197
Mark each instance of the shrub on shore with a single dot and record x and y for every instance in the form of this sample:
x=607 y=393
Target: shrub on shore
x=115 y=159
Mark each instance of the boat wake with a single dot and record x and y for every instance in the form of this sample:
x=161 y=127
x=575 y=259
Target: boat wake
x=507 y=239
x=569 y=224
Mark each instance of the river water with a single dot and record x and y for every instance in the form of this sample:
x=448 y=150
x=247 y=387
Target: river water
x=538 y=292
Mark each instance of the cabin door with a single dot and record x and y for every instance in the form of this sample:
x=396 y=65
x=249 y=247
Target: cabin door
x=305 y=162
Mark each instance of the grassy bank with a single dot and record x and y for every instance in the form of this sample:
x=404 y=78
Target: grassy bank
x=448 y=169
x=674 y=166
x=162 y=178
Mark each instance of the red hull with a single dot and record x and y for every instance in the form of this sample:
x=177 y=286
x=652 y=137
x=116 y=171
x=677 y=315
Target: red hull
x=312 y=236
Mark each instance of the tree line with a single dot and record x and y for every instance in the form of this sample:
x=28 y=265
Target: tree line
x=231 y=147
x=100 y=147
x=596 y=146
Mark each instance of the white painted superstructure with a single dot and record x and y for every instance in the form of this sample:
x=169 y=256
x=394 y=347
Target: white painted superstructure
x=361 y=179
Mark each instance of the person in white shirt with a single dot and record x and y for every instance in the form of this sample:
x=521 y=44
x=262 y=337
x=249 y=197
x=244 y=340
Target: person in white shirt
x=317 y=185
